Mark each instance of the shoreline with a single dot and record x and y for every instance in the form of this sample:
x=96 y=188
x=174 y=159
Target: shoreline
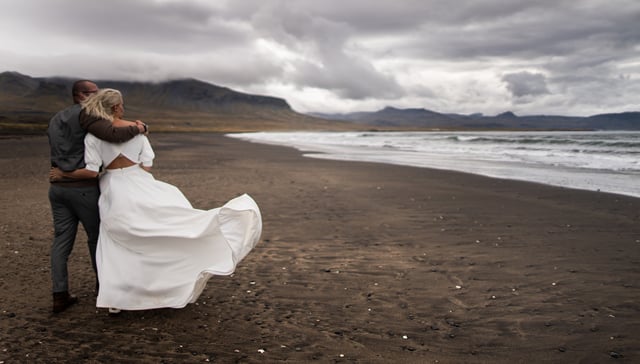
x=396 y=152
x=359 y=262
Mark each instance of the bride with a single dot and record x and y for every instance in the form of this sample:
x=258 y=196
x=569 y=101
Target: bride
x=154 y=249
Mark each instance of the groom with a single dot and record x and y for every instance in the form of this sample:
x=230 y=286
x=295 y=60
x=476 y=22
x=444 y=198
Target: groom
x=75 y=200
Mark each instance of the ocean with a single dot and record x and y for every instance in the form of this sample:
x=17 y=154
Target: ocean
x=607 y=161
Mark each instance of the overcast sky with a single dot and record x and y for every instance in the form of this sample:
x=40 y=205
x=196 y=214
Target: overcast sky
x=570 y=57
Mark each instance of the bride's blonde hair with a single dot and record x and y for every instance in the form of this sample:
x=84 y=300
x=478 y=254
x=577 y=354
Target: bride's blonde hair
x=102 y=103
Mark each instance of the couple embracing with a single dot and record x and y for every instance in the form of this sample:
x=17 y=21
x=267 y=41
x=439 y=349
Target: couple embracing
x=149 y=247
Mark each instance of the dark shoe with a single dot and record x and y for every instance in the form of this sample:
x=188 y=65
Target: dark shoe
x=62 y=301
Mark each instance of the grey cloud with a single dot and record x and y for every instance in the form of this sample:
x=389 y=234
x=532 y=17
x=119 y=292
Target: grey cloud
x=579 y=49
x=162 y=27
x=324 y=40
x=526 y=83
x=524 y=30
x=349 y=78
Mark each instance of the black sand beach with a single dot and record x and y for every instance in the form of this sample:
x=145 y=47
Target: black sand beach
x=358 y=263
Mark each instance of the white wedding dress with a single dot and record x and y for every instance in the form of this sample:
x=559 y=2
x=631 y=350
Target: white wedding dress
x=155 y=250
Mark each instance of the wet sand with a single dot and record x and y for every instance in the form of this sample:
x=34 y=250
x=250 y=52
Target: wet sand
x=358 y=263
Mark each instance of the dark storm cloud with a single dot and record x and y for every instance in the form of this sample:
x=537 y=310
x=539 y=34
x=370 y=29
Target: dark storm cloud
x=525 y=30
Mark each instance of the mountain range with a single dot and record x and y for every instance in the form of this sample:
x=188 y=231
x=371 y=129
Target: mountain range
x=391 y=117
x=27 y=104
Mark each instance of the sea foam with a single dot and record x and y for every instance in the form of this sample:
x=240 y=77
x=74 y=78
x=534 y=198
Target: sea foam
x=598 y=161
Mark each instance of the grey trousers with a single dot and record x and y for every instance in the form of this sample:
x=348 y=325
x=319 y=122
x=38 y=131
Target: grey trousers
x=69 y=206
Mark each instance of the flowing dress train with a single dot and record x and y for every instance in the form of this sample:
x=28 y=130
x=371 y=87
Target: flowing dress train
x=155 y=250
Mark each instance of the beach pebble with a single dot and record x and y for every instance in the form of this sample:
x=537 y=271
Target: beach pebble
x=615 y=355
x=452 y=323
